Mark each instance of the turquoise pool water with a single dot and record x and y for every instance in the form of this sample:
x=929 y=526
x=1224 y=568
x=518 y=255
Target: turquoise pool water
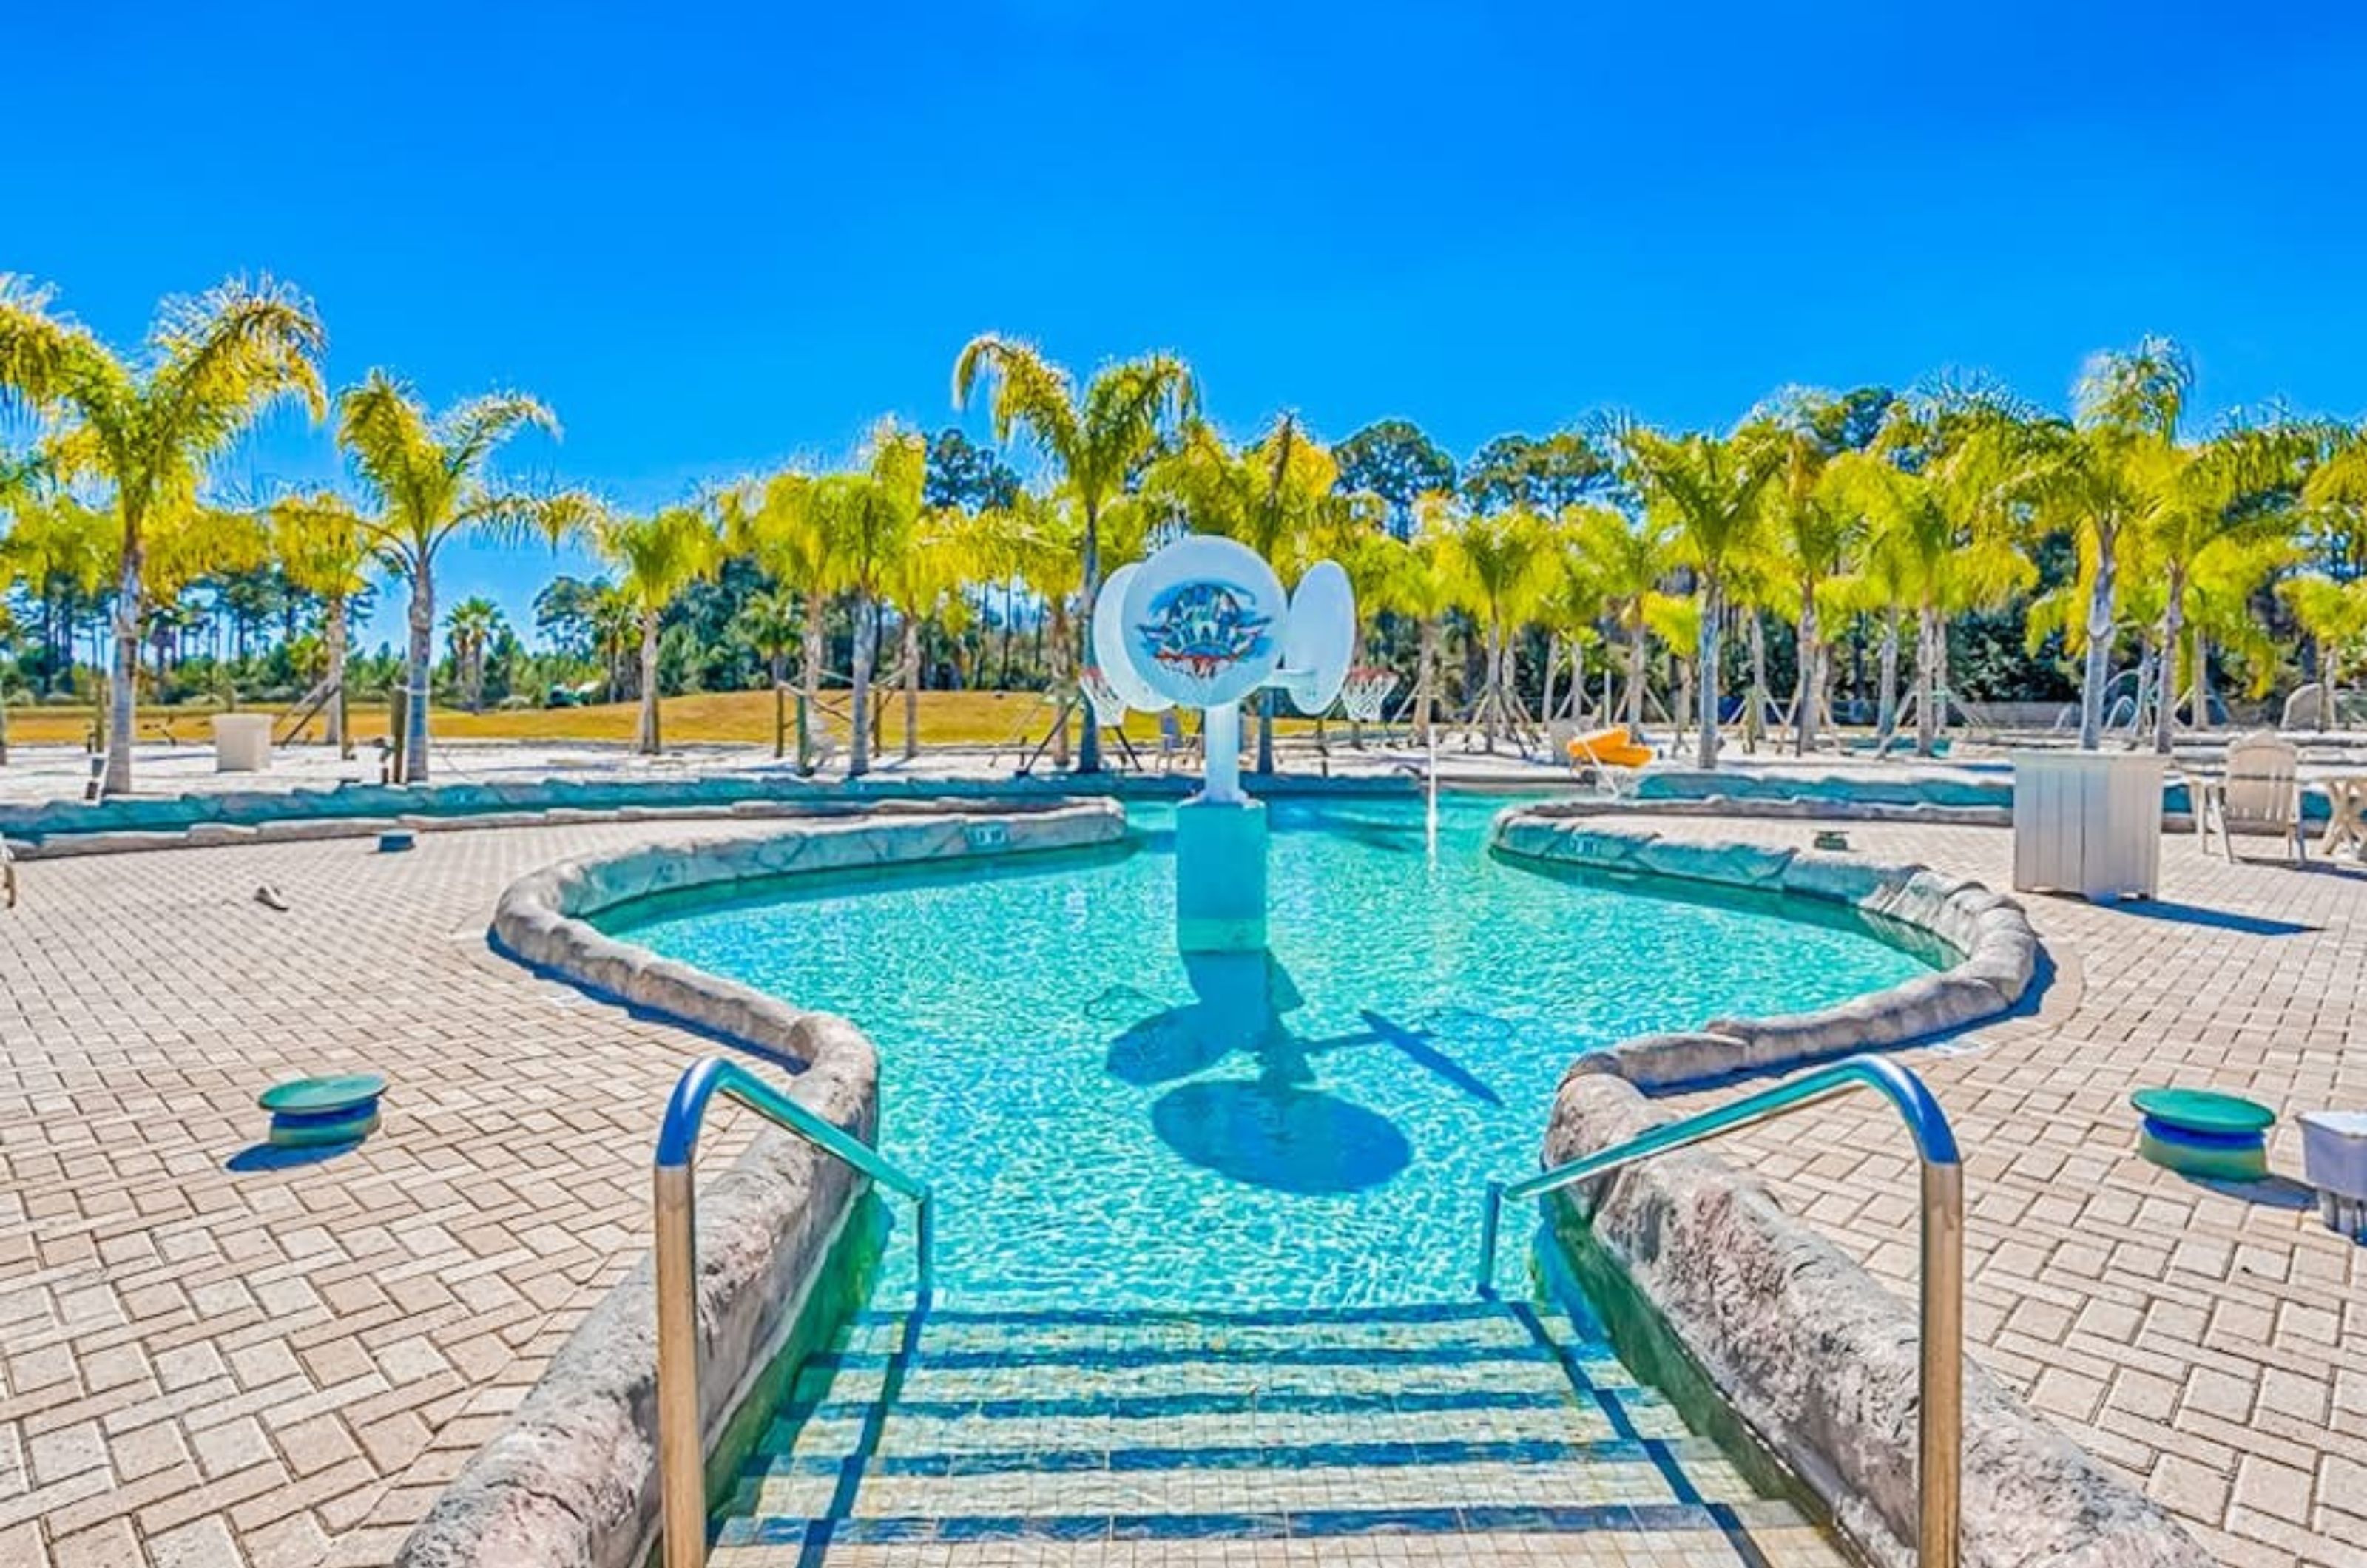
x=1109 y=1127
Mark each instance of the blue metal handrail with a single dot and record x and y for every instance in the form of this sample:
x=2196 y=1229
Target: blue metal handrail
x=682 y=1450
x=1940 y=1421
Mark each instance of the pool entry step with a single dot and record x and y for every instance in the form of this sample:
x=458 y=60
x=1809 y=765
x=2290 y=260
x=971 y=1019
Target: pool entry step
x=1077 y=1429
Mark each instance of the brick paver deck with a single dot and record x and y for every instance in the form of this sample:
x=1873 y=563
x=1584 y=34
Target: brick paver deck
x=201 y=1363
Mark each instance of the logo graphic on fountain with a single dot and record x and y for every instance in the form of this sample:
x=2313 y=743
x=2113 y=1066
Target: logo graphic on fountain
x=1204 y=627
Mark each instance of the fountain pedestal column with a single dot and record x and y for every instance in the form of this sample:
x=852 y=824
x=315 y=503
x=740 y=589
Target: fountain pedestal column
x=1220 y=876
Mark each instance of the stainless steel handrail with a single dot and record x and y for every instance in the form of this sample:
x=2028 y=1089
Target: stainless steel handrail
x=682 y=1446
x=1939 y=1416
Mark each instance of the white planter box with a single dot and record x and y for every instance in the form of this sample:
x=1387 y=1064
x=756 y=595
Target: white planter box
x=242 y=743
x=2334 y=1158
x=2087 y=822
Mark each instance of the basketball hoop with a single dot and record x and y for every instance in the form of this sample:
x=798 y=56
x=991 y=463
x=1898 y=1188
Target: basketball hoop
x=1366 y=691
x=1109 y=708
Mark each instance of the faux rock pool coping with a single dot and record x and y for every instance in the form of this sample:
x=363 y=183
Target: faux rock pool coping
x=1822 y=1363
x=571 y=1481
x=1999 y=952
x=1815 y=1355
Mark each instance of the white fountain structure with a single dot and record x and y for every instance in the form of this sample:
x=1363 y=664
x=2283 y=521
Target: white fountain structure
x=1204 y=624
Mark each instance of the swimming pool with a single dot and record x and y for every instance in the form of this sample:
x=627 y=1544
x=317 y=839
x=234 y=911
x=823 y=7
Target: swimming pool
x=1108 y=1125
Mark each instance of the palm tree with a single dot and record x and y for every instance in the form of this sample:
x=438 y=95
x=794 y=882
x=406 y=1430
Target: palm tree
x=769 y=622
x=431 y=477
x=1098 y=440
x=150 y=427
x=616 y=628
x=1629 y=558
x=324 y=546
x=2335 y=615
x=776 y=523
x=1938 y=536
x=470 y=628
x=1676 y=619
x=1569 y=603
x=1809 y=538
x=1707 y=491
x=655 y=557
x=924 y=581
x=2228 y=492
x=1040 y=540
x=1419 y=579
x=866 y=518
x=1500 y=560
x=2094 y=478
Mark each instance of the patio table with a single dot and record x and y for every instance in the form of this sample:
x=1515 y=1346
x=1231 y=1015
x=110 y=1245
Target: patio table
x=2345 y=828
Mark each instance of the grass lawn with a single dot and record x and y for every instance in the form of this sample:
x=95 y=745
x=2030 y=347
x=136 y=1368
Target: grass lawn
x=947 y=719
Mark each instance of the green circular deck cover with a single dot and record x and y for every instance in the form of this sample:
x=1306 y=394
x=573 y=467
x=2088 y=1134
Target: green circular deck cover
x=2203 y=1109
x=307 y=1097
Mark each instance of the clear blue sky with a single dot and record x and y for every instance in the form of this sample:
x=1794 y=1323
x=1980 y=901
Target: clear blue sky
x=714 y=238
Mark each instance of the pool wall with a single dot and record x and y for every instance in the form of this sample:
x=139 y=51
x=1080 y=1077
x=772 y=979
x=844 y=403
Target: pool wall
x=571 y=1481
x=1997 y=950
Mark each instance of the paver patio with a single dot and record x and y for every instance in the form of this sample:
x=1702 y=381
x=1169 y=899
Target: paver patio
x=281 y=1366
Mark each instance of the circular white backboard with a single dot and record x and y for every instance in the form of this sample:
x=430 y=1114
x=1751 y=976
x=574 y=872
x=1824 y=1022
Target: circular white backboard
x=1110 y=654
x=1203 y=621
x=1320 y=638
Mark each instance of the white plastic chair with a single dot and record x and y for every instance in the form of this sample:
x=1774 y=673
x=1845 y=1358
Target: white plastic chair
x=2261 y=790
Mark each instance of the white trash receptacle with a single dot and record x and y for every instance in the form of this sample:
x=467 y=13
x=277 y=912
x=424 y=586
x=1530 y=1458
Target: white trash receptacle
x=2087 y=822
x=2334 y=1159
x=242 y=743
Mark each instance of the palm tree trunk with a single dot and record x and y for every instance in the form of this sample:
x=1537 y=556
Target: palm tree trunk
x=2201 y=680
x=865 y=632
x=1089 y=753
x=1944 y=686
x=780 y=705
x=2100 y=643
x=1057 y=668
x=421 y=658
x=911 y=657
x=1008 y=596
x=646 y=741
x=810 y=676
x=1639 y=654
x=1685 y=695
x=1265 y=701
x=1927 y=676
x=1426 y=675
x=1758 y=677
x=1705 y=676
x=1809 y=686
x=2173 y=623
x=1553 y=658
x=1886 y=712
x=1491 y=686
x=124 y=698
x=334 y=633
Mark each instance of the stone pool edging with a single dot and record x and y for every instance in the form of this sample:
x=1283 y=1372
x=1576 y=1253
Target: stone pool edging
x=1821 y=1362
x=570 y=1480
x=1998 y=949
x=1807 y=1348
x=47 y=829
x=441 y=814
